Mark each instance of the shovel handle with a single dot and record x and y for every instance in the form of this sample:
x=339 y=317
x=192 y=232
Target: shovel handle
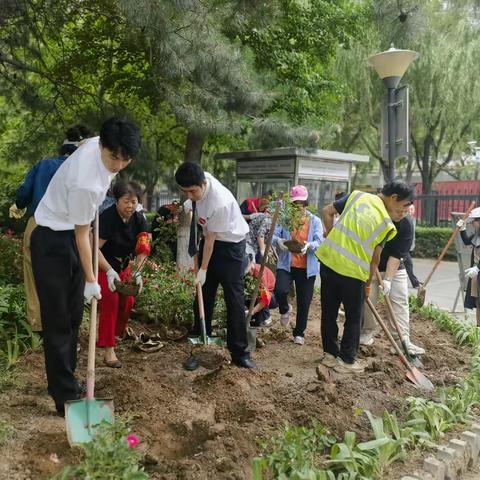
x=389 y=336
x=393 y=317
x=201 y=312
x=447 y=246
x=93 y=318
x=265 y=256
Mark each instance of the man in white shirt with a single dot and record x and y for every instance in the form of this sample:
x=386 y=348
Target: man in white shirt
x=61 y=249
x=221 y=255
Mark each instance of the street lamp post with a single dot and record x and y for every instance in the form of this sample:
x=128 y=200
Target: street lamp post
x=391 y=66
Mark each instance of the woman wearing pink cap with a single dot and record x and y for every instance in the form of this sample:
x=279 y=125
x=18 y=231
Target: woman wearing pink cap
x=301 y=268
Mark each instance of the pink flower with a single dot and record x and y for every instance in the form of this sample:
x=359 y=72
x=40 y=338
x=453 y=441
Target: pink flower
x=132 y=440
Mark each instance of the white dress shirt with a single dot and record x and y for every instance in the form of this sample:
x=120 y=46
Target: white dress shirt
x=219 y=212
x=76 y=190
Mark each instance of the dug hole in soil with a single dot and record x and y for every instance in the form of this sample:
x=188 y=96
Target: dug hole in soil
x=206 y=424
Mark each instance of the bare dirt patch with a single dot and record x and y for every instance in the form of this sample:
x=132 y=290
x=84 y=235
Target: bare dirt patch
x=205 y=424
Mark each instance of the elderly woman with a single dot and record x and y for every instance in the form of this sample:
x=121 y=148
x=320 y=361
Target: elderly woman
x=123 y=237
x=301 y=268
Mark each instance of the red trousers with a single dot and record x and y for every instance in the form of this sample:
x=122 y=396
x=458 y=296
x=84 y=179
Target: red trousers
x=114 y=311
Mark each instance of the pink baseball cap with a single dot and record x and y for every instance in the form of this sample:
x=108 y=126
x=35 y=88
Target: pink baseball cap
x=298 y=193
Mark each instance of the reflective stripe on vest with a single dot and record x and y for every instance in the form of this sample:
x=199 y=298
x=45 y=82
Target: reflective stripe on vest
x=349 y=247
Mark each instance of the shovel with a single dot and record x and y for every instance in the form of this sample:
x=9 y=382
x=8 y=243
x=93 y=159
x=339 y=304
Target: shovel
x=422 y=289
x=413 y=374
x=203 y=339
x=82 y=417
x=413 y=359
x=268 y=245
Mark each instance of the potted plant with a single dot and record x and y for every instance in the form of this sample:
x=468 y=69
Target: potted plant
x=291 y=219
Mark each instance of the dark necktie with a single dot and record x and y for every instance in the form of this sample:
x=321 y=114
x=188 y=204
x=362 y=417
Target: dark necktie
x=192 y=241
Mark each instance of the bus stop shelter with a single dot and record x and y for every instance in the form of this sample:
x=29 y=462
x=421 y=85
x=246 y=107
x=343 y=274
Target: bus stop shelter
x=325 y=173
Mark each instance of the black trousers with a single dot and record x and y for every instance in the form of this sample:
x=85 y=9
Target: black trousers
x=304 y=293
x=336 y=289
x=407 y=261
x=226 y=269
x=60 y=283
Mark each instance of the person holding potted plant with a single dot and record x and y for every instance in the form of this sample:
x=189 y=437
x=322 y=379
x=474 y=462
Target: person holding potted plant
x=297 y=236
x=123 y=236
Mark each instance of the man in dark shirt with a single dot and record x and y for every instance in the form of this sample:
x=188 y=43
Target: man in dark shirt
x=395 y=285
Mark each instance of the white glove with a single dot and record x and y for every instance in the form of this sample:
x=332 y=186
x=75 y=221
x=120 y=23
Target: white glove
x=471 y=272
x=201 y=276
x=92 y=289
x=139 y=281
x=112 y=275
x=15 y=212
x=305 y=248
x=281 y=244
x=252 y=216
x=387 y=286
x=461 y=225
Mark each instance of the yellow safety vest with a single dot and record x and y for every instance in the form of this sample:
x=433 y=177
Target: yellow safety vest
x=363 y=224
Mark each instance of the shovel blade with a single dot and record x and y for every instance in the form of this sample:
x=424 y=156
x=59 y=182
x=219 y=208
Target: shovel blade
x=419 y=379
x=218 y=341
x=422 y=291
x=82 y=418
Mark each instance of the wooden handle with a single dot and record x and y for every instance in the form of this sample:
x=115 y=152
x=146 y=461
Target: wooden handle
x=93 y=319
x=390 y=307
x=389 y=335
x=264 y=259
x=447 y=246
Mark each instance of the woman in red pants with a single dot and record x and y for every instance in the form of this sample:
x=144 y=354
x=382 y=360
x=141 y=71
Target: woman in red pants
x=123 y=237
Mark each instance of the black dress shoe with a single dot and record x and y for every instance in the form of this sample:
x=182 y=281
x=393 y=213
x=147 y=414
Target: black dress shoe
x=245 y=362
x=191 y=363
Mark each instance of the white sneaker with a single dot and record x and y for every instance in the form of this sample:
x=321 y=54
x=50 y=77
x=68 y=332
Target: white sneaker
x=367 y=338
x=355 y=367
x=414 y=349
x=329 y=360
x=285 y=317
x=299 y=340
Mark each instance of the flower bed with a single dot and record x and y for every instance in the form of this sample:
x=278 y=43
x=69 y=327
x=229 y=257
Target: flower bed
x=311 y=453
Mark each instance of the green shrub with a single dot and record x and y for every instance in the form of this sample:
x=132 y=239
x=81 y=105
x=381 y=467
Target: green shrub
x=11 y=264
x=167 y=296
x=11 y=177
x=16 y=335
x=111 y=455
x=429 y=242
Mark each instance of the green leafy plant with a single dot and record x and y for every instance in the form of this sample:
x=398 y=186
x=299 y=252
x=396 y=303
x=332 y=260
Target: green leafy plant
x=16 y=335
x=111 y=455
x=295 y=453
x=291 y=216
x=167 y=296
x=11 y=263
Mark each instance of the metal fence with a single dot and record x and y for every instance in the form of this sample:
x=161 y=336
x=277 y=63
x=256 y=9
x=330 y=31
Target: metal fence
x=158 y=199
x=434 y=209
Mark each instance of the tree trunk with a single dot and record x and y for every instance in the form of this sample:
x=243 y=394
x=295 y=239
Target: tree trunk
x=409 y=173
x=193 y=147
x=193 y=153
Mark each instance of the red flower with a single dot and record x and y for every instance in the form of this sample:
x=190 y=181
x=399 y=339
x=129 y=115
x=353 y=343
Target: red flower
x=132 y=440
